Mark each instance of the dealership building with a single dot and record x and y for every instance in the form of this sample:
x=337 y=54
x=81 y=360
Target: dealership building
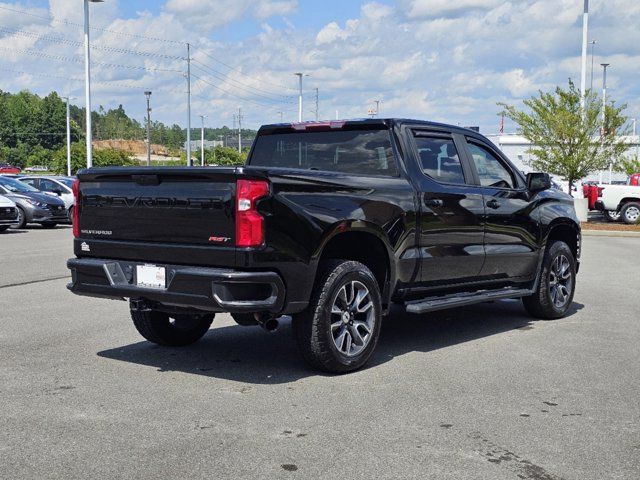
x=516 y=148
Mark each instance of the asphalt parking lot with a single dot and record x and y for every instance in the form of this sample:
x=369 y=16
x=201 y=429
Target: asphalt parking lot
x=483 y=392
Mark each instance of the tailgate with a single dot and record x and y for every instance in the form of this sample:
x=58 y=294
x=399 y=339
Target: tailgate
x=186 y=206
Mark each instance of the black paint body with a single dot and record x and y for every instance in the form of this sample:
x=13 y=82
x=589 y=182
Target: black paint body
x=438 y=238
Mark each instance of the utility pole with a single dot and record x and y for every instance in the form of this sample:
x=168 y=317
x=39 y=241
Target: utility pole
x=67 y=98
x=281 y=116
x=239 y=130
x=585 y=40
x=593 y=45
x=377 y=108
x=148 y=95
x=202 y=117
x=189 y=162
x=87 y=81
x=317 y=104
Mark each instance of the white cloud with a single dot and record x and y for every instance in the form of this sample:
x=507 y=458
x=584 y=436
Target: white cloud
x=442 y=60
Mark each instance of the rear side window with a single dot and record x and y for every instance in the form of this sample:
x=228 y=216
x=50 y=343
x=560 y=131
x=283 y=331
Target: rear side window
x=364 y=152
x=439 y=159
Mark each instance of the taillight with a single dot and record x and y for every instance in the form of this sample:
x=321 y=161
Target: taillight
x=249 y=223
x=76 y=208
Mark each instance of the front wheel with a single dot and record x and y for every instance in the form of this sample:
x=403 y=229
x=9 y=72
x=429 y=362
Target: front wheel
x=630 y=213
x=611 y=215
x=171 y=331
x=49 y=225
x=556 y=286
x=4 y=228
x=340 y=328
x=21 y=221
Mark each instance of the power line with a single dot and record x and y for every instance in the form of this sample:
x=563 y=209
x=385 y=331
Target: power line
x=66 y=22
x=78 y=60
x=240 y=71
x=244 y=87
x=232 y=94
x=68 y=41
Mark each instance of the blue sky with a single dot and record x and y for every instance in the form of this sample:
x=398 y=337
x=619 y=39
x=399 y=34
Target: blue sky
x=442 y=60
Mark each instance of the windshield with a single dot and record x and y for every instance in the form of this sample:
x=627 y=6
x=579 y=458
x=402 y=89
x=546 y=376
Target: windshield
x=16 y=186
x=365 y=152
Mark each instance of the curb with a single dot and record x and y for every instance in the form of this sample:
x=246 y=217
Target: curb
x=609 y=233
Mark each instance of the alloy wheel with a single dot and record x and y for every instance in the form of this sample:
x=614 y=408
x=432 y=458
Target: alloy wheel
x=560 y=281
x=353 y=318
x=632 y=214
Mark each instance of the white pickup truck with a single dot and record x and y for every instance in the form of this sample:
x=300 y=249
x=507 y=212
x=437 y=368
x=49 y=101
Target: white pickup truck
x=621 y=199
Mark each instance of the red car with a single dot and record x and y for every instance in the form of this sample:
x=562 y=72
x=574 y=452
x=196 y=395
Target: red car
x=634 y=179
x=6 y=168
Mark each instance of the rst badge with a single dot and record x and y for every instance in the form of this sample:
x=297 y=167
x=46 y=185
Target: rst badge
x=214 y=239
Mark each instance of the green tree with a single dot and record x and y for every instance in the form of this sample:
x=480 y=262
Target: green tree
x=628 y=166
x=566 y=142
x=101 y=158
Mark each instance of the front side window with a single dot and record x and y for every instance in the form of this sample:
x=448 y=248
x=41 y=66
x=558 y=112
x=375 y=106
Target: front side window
x=365 y=152
x=439 y=159
x=491 y=171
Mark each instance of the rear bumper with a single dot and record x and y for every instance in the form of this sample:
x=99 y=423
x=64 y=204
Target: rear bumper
x=207 y=289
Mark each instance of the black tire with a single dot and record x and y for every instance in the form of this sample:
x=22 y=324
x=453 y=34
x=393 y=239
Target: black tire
x=630 y=213
x=70 y=215
x=312 y=328
x=245 y=319
x=49 y=225
x=22 y=220
x=611 y=216
x=181 y=330
x=4 y=228
x=541 y=304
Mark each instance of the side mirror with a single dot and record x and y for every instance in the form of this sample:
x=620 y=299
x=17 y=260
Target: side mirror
x=537 y=182
x=58 y=192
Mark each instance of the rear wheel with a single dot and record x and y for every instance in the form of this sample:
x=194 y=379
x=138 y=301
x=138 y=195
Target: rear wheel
x=4 y=228
x=49 y=225
x=171 y=330
x=339 y=330
x=557 y=284
x=21 y=221
x=630 y=213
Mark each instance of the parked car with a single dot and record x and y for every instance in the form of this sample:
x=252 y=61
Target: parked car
x=8 y=213
x=33 y=206
x=621 y=199
x=36 y=168
x=330 y=223
x=53 y=185
x=6 y=168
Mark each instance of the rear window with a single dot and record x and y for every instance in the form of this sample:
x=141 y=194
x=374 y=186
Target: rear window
x=364 y=152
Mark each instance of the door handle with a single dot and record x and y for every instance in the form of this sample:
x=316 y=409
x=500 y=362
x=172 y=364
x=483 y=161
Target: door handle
x=493 y=204
x=433 y=202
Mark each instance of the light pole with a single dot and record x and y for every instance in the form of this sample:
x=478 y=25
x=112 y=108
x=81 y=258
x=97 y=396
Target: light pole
x=87 y=80
x=300 y=75
x=593 y=46
x=604 y=95
x=69 y=136
x=148 y=95
x=635 y=139
x=585 y=39
x=202 y=117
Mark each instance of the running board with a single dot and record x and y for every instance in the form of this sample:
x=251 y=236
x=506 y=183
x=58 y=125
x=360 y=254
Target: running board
x=461 y=299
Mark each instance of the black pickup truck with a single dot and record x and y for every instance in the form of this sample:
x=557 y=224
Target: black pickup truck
x=330 y=223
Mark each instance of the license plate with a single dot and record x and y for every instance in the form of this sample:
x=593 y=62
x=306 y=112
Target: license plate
x=151 y=276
